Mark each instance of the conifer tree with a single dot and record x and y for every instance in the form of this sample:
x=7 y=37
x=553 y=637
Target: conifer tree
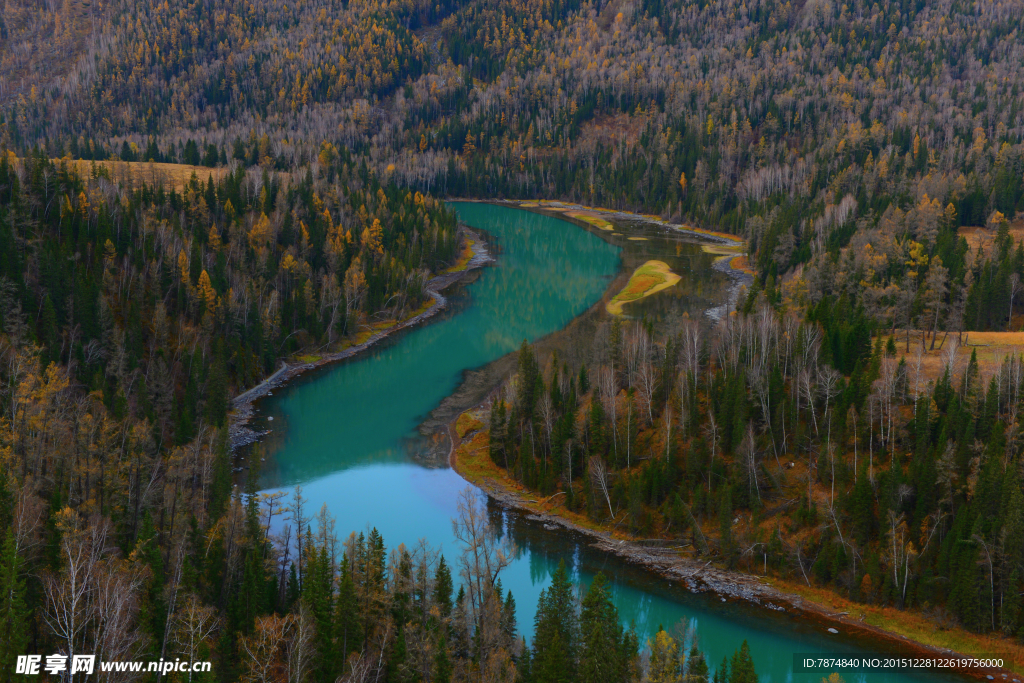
x=348 y=627
x=722 y=672
x=442 y=667
x=742 y=669
x=696 y=666
x=14 y=617
x=220 y=486
x=556 y=632
x=443 y=588
x=606 y=650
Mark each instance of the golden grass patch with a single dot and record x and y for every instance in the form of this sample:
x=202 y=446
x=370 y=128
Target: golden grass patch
x=982 y=238
x=422 y=309
x=637 y=239
x=712 y=233
x=462 y=263
x=593 y=220
x=473 y=460
x=467 y=423
x=911 y=624
x=741 y=264
x=171 y=176
x=991 y=349
x=722 y=249
x=650 y=278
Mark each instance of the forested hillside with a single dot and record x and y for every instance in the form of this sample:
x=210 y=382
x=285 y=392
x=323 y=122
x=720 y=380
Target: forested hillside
x=797 y=126
x=853 y=145
x=890 y=482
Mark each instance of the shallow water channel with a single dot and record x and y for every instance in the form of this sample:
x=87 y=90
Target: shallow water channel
x=349 y=434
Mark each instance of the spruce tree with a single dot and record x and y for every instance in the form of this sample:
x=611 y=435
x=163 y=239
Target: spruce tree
x=443 y=588
x=722 y=672
x=154 y=606
x=14 y=617
x=606 y=651
x=525 y=666
x=696 y=666
x=556 y=632
x=318 y=594
x=442 y=669
x=742 y=670
x=508 y=617
x=348 y=627
x=398 y=665
x=220 y=486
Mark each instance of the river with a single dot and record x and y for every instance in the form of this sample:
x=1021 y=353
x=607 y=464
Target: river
x=348 y=435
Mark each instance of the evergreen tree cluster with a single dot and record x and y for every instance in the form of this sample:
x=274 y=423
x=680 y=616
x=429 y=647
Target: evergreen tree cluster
x=165 y=301
x=801 y=447
x=796 y=127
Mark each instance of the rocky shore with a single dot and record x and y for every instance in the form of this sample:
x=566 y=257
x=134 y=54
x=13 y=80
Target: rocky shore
x=700 y=576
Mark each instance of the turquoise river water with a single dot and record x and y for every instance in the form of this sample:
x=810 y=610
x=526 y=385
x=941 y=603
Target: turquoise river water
x=347 y=433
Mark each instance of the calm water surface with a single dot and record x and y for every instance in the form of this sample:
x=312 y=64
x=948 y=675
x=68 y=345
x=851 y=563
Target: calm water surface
x=347 y=434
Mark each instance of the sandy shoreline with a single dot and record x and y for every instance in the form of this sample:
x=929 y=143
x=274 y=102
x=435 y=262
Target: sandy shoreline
x=242 y=408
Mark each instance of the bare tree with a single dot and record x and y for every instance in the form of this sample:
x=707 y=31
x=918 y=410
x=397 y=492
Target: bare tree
x=748 y=452
x=691 y=343
x=194 y=623
x=711 y=430
x=635 y=347
x=609 y=393
x=69 y=593
x=828 y=383
x=887 y=387
x=117 y=635
x=263 y=649
x=918 y=364
x=92 y=602
x=299 y=646
x=936 y=284
x=807 y=387
x=1015 y=287
x=901 y=552
x=484 y=555
x=758 y=378
x=647 y=377
x=905 y=306
x=599 y=478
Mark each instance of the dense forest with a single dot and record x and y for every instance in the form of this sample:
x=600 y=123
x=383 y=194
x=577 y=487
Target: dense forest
x=163 y=301
x=754 y=444
x=861 y=149
x=129 y=317
x=130 y=314
x=812 y=130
